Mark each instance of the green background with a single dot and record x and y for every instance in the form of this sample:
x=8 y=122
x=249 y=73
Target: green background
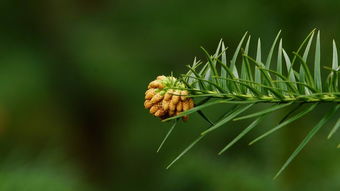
x=72 y=80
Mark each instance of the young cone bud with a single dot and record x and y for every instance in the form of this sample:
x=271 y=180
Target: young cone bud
x=164 y=99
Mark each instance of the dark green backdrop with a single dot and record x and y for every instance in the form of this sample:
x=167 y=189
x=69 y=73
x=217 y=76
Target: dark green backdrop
x=72 y=80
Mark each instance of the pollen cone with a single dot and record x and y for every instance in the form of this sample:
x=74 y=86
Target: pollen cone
x=166 y=98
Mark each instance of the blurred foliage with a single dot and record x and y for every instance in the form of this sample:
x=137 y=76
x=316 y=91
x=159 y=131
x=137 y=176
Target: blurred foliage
x=45 y=171
x=73 y=75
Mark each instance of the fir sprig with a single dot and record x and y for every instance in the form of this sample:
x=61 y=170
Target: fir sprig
x=245 y=81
